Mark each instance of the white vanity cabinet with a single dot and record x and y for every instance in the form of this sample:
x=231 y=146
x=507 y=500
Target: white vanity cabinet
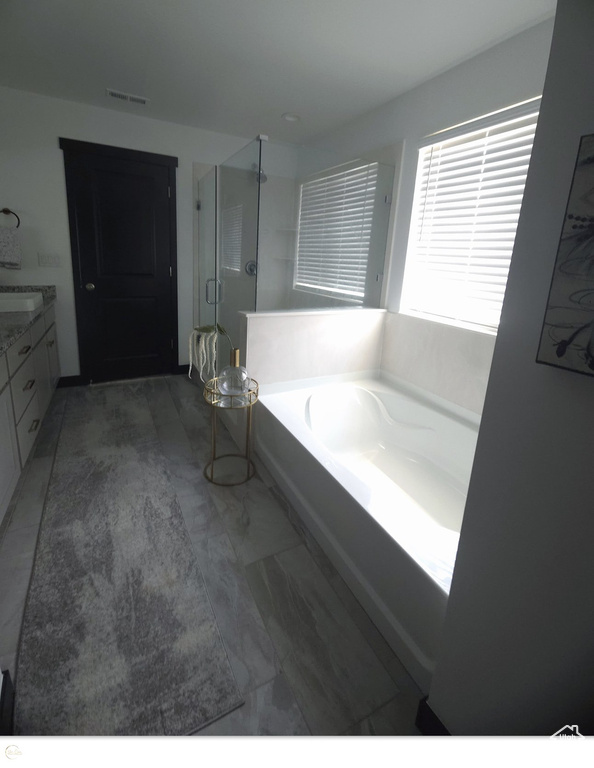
x=42 y=375
x=29 y=373
x=45 y=355
x=10 y=466
x=51 y=345
x=33 y=383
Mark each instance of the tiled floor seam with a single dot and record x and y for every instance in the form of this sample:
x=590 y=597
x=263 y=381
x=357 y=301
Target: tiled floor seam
x=221 y=638
x=271 y=554
x=338 y=595
x=276 y=649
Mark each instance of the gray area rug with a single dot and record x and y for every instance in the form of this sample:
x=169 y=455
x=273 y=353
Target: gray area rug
x=119 y=637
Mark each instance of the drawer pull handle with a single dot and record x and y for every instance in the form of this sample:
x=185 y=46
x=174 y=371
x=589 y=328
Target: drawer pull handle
x=25 y=350
x=29 y=385
x=34 y=425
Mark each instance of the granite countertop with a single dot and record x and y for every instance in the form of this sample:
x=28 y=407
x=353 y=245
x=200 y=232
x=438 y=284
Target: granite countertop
x=14 y=324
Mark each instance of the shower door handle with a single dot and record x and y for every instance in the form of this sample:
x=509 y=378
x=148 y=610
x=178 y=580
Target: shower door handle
x=217 y=291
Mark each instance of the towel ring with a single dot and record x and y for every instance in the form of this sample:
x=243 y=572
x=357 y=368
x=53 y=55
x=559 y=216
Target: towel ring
x=7 y=211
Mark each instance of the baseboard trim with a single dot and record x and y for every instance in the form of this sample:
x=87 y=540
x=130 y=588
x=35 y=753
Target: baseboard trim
x=427 y=721
x=71 y=381
x=78 y=381
x=6 y=705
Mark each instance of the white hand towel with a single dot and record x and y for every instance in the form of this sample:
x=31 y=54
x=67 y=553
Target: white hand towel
x=10 y=248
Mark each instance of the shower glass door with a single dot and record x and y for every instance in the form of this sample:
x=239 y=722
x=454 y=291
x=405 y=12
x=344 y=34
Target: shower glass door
x=205 y=236
x=238 y=193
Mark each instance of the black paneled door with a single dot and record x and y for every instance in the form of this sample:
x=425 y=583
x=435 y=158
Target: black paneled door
x=121 y=208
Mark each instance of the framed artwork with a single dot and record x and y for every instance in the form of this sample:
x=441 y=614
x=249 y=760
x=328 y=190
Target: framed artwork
x=567 y=338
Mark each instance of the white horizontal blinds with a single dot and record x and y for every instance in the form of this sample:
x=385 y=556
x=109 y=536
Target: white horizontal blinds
x=231 y=232
x=465 y=213
x=335 y=220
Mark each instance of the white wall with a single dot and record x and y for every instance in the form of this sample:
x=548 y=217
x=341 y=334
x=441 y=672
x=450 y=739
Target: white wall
x=32 y=183
x=504 y=75
x=277 y=236
x=516 y=654
x=278 y=227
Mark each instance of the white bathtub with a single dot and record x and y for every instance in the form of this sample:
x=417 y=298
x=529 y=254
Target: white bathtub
x=379 y=474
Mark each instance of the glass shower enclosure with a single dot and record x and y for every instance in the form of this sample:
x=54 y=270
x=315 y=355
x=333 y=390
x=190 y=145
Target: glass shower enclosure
x=248 y=235
x=227 y=259
x=238 y=204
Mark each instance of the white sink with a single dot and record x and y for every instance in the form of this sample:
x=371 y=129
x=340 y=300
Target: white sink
x=20 y=302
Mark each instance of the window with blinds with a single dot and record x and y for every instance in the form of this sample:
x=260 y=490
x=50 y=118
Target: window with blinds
x=231 y=232
x=335 y=223
x=466 y=206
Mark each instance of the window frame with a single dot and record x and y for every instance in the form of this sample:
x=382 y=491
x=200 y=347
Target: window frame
x=469 y=128
x=231 y=237
x=334 y=293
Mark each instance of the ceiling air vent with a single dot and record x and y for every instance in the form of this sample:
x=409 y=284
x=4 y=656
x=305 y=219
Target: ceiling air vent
x=126 y=97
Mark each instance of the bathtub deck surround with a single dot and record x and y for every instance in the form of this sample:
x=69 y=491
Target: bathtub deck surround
x=391 y=474
x=245 y=541
x=300 y=344
x=448 y=362
x=391 y=471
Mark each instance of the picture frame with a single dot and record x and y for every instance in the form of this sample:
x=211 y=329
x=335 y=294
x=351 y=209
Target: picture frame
x=567 y=336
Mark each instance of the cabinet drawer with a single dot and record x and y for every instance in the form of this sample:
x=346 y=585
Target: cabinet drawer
x=19 y=352
x=37 y=330
x=50 y=317
x=42 y=375
x=3 y=372
x=51 y=342
x=23 y=386
x=10 y=467
x=28 y=428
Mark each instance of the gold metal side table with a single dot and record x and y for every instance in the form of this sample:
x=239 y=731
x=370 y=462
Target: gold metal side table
x=221 y=401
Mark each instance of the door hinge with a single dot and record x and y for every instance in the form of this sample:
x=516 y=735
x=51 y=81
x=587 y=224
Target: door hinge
x=169 y=192
x=170 y=271
x=171 y=343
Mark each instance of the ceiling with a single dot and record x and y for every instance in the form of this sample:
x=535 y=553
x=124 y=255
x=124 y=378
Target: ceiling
x=236 y=66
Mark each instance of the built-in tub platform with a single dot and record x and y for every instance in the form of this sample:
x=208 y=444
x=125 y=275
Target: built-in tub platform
x=379 y=473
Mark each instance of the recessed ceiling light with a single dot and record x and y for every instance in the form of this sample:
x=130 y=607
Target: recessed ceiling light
x=291 y=117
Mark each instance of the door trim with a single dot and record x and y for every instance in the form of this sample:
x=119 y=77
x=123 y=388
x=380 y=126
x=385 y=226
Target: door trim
x=74 y=147
x=121 y=153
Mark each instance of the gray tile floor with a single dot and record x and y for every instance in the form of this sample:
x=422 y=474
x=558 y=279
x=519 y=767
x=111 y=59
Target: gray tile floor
x=306 y=657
